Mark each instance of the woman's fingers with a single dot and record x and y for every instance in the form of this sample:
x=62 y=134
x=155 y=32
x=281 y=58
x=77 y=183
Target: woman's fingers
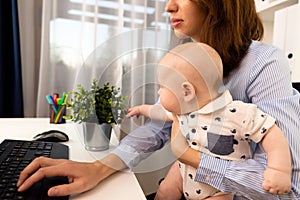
x=38 y=169
x=66 y=189
x=82 y=176
x=80 y=183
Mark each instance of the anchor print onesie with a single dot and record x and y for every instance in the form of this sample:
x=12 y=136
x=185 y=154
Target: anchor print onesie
x=223 y=129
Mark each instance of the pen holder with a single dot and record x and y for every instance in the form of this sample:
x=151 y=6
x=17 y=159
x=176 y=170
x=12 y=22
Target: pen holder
x=57 y=114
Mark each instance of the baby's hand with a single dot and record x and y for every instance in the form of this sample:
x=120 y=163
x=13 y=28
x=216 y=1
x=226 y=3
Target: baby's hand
x=134 y=111
x=276 y=182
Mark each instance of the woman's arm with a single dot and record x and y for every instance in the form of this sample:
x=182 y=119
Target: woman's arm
x=136 y=146
x=143 y=141
x=265 y=78
x=180 y=147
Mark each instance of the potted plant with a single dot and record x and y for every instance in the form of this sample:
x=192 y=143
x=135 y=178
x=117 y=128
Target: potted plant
x=97 y=109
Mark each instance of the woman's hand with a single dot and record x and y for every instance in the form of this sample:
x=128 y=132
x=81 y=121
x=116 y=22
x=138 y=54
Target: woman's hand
x=82 y=176
x=180 y=147
x=178 y=141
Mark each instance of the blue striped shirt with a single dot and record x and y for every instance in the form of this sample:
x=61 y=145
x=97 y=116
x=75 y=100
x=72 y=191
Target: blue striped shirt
x=263 y=78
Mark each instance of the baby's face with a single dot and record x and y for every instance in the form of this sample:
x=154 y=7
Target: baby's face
x=170 y=82
x=169 y=99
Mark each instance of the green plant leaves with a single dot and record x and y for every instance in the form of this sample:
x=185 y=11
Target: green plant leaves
x=99 y=104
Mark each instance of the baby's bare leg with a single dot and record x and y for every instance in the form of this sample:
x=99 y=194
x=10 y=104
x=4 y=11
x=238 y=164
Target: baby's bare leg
x=171 y=187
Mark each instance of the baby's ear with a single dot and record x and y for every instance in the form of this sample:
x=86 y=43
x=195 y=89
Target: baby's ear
x=188 y=91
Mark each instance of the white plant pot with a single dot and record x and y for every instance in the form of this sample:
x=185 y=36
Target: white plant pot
x=96 y=136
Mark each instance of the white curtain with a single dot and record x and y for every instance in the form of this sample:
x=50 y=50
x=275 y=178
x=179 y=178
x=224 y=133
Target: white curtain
x=86 y=39
x=119 y=41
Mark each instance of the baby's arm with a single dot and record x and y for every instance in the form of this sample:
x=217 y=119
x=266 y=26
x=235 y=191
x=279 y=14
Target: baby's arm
x=139 y=110
x=156 y=112
x=277 y=176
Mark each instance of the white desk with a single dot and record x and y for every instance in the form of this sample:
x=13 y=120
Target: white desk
x=122 y=185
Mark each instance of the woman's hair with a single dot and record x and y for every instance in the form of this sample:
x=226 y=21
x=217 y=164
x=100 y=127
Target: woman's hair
x=229 y=27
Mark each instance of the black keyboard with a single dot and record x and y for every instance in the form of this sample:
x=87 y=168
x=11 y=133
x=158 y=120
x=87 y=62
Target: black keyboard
x=15 y=155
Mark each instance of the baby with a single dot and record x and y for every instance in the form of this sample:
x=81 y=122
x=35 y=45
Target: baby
x=190 y=79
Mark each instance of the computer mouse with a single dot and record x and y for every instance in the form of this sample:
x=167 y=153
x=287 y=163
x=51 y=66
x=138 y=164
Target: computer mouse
x=52 y=136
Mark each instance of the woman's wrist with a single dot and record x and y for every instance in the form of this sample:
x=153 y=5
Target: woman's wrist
x=191 y=157
x=109 y=165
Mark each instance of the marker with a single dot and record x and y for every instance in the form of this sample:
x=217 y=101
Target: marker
x=55 y=96
x=64 y=97
x=52 y=102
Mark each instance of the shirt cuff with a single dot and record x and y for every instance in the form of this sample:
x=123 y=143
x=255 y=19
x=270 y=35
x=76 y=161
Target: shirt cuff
x=128 y=155
x=211 y=171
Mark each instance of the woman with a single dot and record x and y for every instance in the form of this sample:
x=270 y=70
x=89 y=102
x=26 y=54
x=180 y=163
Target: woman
x=251 y=71
x=254 y=73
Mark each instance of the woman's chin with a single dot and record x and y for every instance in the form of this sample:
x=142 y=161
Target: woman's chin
x=180 y=35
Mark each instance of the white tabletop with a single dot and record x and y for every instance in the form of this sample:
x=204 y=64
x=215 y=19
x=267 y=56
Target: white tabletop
x=122 y=185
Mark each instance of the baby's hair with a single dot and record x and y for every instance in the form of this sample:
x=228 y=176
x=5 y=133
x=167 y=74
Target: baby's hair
x=214 y=56
x=205 y=63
